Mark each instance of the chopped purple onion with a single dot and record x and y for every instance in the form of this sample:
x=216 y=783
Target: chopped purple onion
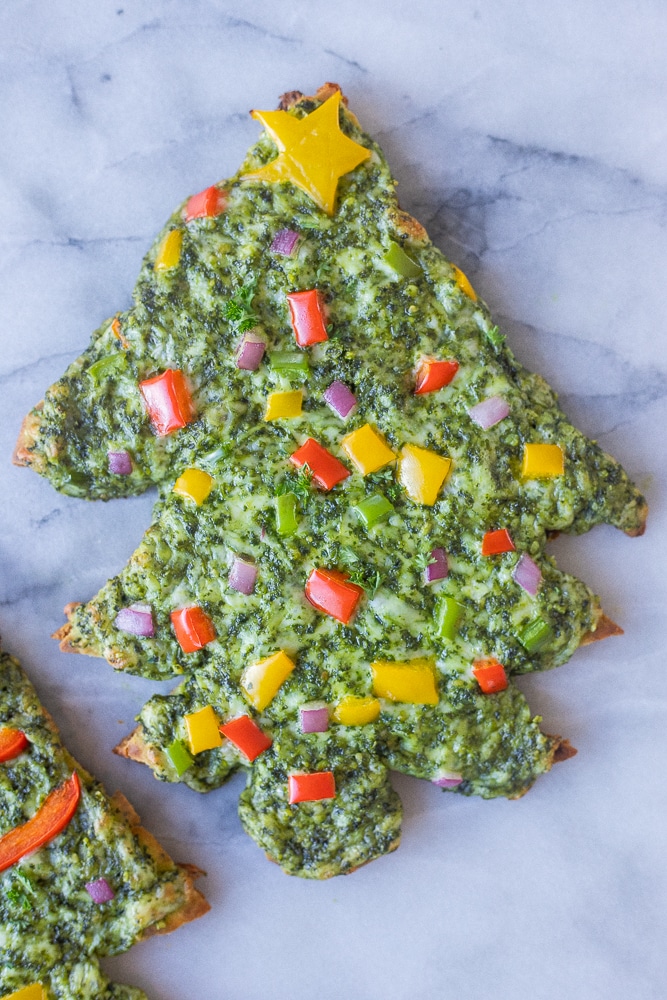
x=243 y=576
x=120 y=463
x=137 y=620
x=100 y=891
x=527 y=574
x=250 y=352
x=340 y=398
x=489 y=412
x=314 y=717
x=448 y=779
x=284 y=242
x=438 y=568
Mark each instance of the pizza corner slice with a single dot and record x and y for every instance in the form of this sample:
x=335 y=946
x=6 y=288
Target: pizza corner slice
x=80 y=877
x=348 y=561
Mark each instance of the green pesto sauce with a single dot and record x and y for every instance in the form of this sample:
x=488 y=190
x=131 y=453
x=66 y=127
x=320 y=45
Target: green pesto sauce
x=381 y=322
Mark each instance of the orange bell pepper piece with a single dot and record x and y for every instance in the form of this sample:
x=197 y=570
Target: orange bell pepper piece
x=50 y=819
x=433 y=374
x=490 y=675
x=495 y=542
x=309 y=787
x=205 y=205
x=12 y=743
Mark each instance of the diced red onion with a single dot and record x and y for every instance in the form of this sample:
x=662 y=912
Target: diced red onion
x=314 y=717
x=438 y=569
x=250 y=352
x=137 y=620
x=120 y=462
x=489 y=412
x=284 y=242
x=100 y=891
x=340 y=398
x=243 y=576
x=527 y=574
x=448 y=779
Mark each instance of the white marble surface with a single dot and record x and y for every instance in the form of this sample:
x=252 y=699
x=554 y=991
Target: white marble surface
x=531 y=139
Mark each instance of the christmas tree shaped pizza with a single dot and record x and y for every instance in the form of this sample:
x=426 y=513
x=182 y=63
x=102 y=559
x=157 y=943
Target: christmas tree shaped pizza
x=79 y=876
x=357 y=482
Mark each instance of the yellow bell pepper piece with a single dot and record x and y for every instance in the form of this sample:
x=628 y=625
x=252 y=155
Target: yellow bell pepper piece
x=34 y=992
x=169 y=253
x=422 y=473
x=541 y=461
x=195 y=485
x=413 y=682
x=280 y=405
x=367 y=450
x=261 y=681
x=354 y=711
x=203 y=730
x=464 y=284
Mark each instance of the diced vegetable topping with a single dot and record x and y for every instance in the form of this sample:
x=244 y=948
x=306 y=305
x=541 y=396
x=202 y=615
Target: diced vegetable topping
x=120 y=463
x=283 y=405
x=100 y=891
x=205 y=205
x=34 y=992
x=137 y=620
x=168 y=401
x=448 y=779
x=367 y=450
x=489 y=412
x=314 y=716
x=340 y=398
x=422 y=472
x=536 y=635
x=112 y=364
x=250 y=352
x=290 y=362
x=374 y=509
x=527 y=574
x=286 y=519
x=433 y=374
x=203 y=730
x=243 y=575
x=169 y=252
x=542 y=461
x=327 y=471
x=448 y=613
x=397 y=259
x=496 y=542
x=262 y=681
x=311 y=787
x=437 y=568
x=179 y=757
x=118 y=333
x=331 y=592
x=195 y=485
x=12 y=743
x=490 y=675
x=412 y=682
x=246 y=736
x=353 y=711
x=464 y=284
x=285 y=242
x=307 y=317
x=193 y=628
x=50 y=819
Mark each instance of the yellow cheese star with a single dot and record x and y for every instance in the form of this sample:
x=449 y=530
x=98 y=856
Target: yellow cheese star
x=314 y=153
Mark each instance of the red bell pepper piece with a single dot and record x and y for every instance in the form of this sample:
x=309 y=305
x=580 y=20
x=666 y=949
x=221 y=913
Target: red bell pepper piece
x=495 y=542
x=307 y=317
x=308 y=787
x=490 y=675
x=433 y=374
x=12 y=743
x=246 y=735
x=168 y=401
x=205 y=205
x=331 y=592
x=193 y=627
x=50 y=819
x=326 y=469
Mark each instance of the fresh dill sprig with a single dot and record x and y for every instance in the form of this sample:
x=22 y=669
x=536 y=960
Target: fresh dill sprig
x=297 y=483
x=495 y=336
x=21 y=891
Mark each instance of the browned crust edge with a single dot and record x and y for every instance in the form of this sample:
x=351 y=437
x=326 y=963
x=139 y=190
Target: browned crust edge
x=602 y=629
x=28 y=435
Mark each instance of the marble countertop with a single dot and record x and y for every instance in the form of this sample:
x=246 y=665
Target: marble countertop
x=531 y=140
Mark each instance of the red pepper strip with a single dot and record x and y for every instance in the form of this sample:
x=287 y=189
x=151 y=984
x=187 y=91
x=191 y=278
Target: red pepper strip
x=308 y=787
x=193 y=627
x=433 y=375
x=52 y=816
x=331 y=592
x=495 y=542
x=326 y=469
x=205 y=205
x=307 y=317
x=246 y=735
x=490 y=675
x=12 y=743
x=168 y=401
